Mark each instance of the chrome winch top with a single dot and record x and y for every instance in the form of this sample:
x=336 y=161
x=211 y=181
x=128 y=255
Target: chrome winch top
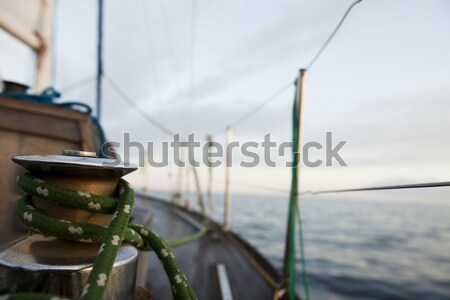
x=75 y=162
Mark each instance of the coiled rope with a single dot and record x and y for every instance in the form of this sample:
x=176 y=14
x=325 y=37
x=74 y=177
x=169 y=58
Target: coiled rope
x=110 y=237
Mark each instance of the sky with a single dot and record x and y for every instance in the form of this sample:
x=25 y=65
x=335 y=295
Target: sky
x=382 y=84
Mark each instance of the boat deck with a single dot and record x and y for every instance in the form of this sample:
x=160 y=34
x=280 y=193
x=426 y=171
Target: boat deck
x=249 y=275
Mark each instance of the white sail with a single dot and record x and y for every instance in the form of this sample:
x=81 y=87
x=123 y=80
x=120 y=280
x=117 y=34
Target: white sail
x=31 y=22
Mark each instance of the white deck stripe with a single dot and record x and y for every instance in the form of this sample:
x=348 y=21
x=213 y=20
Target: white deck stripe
x=224 y=282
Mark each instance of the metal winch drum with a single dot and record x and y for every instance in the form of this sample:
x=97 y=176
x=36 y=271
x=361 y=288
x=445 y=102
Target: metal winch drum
x=61 y=267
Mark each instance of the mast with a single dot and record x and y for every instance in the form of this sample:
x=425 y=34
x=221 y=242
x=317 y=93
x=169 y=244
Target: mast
x=99 y=58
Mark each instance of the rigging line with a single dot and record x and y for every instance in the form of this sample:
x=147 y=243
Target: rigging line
x=267 y=188
x=127 y=99
x=256 y=186
x=168 y=35
x=190 y=99
x=155 y=73
x=191 y=66
x=98 y=87
x=332 y=34
x=78 y=84
x=262 y=104
x=377 y=188
x=269 y=99
x=302 y=253
x=259 y=106
x=382 y=188
x=153 y=67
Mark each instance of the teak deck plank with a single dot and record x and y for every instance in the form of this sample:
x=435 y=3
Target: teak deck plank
x=199 y=259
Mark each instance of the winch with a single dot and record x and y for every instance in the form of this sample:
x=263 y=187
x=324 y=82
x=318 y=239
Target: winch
x=45 y=264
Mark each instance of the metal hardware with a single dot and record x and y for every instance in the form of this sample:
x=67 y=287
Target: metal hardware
x=79 y=153
x=74 y=165
x=227 y=202
x=62 y=267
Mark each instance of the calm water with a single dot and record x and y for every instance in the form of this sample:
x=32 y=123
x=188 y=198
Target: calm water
x=355 y=249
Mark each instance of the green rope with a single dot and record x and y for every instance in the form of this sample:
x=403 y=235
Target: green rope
x=290 y=260
x=188 y=239
x=294 y=213
x=31 y=296
x=302 y=254
x=111 y=237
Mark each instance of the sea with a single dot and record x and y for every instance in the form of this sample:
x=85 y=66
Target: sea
x=354 y=248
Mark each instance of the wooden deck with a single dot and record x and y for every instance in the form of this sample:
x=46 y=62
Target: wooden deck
x=250 y=275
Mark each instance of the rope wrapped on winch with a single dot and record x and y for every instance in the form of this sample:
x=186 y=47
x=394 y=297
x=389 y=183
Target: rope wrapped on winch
x=110 y=237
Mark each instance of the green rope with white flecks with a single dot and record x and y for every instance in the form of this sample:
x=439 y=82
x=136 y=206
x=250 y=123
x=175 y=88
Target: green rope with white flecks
x=110 y=237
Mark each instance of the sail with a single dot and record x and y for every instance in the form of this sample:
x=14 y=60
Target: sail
x=31 y=22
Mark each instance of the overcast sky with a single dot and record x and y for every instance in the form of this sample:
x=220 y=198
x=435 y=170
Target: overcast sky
x=382 y=85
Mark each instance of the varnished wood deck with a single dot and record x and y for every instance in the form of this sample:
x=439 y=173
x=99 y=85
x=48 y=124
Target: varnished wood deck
x=250 y=275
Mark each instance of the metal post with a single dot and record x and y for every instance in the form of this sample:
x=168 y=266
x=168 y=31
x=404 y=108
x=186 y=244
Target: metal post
x=199 y=191
x=187 y=187
x=209 y=138
x=145 y=171
x=169 y=179
x=178 y=195
x=99 y=58
x=227 y=208
x=289 y=256
x=301 y=100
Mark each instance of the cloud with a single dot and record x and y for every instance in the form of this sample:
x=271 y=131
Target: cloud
x=381 y=86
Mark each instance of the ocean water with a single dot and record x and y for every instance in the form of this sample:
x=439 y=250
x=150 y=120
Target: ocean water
x=355 y=249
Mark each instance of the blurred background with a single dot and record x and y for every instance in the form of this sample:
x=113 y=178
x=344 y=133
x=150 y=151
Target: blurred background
x=382 y=85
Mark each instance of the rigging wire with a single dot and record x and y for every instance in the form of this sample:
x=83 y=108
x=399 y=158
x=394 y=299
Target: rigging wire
x=168 y=35
x=262 y=104
x=259 y=106
x=151 y=52
x=333 y=33
x=335 y=191
x=383 y=188
x=154 y=73
x=78 y=84
x=176 y=81
x=133 y=105
x=191 y=66
x=302 y=253
x=281 y=90
x=98 y=87
x=256 y=186
x=167 y=29
x=190 y=98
